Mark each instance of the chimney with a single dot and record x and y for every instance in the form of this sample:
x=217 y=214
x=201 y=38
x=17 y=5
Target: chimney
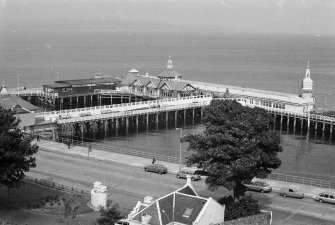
x=188 y=179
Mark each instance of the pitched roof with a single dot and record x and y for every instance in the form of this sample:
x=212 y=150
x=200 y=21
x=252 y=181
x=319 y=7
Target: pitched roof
x=168 y=73
x=175 y=85
x=181 y=206
x=17 y=103
x=90 y=81
x=58 y=85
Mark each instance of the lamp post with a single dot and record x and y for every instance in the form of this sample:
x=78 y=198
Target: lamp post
x=181 y=134
x=18 y=83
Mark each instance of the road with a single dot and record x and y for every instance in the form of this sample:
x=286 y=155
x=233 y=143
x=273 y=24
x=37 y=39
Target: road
x=129 y=184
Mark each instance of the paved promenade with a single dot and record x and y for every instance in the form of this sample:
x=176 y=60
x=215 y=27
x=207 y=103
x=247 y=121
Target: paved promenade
x=111 y=157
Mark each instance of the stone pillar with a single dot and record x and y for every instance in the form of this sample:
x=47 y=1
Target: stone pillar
x=98 y=196
x=84 y=101
x=91 y=96
x=274 y=121
x=331 y=129
x=99 y=97
x=302 y=125
x=61 y=104
x=201 y=114
x=176 y=119
x=77 y=102
x=167 y=119
x=288 y=124
x=294 y=124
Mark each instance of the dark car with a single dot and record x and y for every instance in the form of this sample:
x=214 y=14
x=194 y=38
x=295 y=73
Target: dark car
x=201 y=172
x=122 y=222
x=183 y=174
x=325 y=197
x=259 y=186
x=291 y=192
x=156 y=168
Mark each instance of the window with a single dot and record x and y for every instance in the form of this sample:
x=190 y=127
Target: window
x=187 y=212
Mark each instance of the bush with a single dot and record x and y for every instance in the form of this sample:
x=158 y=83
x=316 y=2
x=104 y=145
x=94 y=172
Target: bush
x=246 y=206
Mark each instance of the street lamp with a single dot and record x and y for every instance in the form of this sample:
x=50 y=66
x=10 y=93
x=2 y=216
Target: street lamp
x=18 y=83
x=181 y=134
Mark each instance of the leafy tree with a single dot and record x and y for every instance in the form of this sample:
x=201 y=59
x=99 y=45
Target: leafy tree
x=236 y=146
x=16 y=151
x=109 y=216
x=245 y=206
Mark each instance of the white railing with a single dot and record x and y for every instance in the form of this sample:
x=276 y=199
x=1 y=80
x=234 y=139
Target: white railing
x=131 y=113
x=119 y=106
x=302 y=180
x=33 y=92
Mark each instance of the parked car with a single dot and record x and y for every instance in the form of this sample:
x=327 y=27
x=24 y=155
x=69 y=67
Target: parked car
x=183 y=174
x=201 y=172
x=157 y=168
x=325 y=197
x=121 y=222
x=259 y=186
x=291 y=192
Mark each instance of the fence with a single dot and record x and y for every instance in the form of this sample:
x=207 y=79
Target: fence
x=121 y=150
x=302 y=180
x=56 y=186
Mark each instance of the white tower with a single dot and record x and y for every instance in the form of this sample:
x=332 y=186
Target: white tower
x=307 y=85
x=169 y=64
x=99 y=196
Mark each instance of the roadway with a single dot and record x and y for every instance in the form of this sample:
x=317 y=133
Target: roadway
x=128 y=184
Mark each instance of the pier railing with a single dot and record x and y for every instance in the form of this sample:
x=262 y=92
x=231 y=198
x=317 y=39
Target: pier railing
x=32 y=92
x=123 y=106
x=302 y=180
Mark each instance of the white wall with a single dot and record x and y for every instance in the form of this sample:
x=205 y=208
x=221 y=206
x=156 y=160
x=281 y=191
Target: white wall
x=214 y=214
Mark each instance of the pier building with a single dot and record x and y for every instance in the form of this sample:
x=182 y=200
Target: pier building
x=270 y=100
x=166 y=84
x=21 y=108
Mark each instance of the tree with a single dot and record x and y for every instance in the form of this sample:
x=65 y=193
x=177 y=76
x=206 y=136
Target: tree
x=16 y=151
x=236 y=146
x=245 y=206
x=109 y=216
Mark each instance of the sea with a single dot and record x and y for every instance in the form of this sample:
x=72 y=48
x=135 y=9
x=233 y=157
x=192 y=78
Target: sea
x=35 y=57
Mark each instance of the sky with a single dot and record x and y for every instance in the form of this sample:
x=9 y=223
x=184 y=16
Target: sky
x=256 y=16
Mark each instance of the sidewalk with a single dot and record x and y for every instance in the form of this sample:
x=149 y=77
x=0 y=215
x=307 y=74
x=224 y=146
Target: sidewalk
x=310 y=191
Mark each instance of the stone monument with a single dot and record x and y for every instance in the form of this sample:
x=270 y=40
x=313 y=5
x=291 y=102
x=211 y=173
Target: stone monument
x=98 y=196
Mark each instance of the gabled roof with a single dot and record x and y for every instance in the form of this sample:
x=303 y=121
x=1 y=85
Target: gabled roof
x=182 y=206
x=175 y=85
x=16 y=103
x=168 y=73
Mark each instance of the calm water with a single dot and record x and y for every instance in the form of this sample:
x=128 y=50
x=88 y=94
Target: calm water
x=257 y=61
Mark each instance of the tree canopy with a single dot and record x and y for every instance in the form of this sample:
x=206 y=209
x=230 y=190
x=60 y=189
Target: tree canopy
x=16 y=151
x=109 y=216
x=236 y=146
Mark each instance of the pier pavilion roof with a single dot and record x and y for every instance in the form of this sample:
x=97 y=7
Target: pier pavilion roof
x=169 y=73
x=177 y=86
x=104 y=80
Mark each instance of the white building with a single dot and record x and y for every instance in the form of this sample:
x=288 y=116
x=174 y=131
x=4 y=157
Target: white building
x=181 y=207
